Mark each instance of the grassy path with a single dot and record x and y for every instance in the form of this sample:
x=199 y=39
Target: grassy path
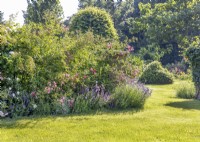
x=164 y=118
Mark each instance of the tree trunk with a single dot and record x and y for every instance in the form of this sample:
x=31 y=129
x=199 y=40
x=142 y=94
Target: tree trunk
x=197 y=92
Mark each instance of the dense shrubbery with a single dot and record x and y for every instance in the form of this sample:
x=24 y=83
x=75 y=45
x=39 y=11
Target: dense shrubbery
x=97 y=20
x=45 y=71
x=154 y=73
x=186 y=91
x=180 y=70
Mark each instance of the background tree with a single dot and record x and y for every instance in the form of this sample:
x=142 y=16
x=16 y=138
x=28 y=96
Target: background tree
x=37 y=8
x=1 y=17
x=166 y=27
x=158 y=29
x=193 y=54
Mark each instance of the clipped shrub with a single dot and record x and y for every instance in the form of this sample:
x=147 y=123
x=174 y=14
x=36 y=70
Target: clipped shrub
x=95 y=19
x=154 y=73
x=129 y=96
x=186 y=91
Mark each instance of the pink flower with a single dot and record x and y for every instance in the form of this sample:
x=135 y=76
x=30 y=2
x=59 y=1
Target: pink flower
x=54 y=84
x=67 y=75
x=33 y=94
x=62 y=100
x=76 y=75
x=136 y=72
x=130 y=48
x=71 y=103
x=93 y=70
x=85 y=76
x=109 y=45
x=48 y=90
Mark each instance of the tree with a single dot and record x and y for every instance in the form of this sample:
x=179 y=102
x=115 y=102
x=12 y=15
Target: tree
x=95 y=19
x=193 y=54
x=1 y=17
x=167 y=26
x=37 y=8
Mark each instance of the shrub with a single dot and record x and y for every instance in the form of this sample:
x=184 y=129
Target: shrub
x=91 y=99
x=154 y=73
x=186 y=91
x=180 y=70
x=129 y=96
x=91 y=58
x=16 y=104
x=97 y=20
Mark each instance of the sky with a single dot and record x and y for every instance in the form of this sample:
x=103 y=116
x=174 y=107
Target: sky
x=9 y=7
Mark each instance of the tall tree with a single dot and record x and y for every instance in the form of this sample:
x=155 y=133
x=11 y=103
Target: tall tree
x=170 y=25
x=37 y=9
x=1 y=17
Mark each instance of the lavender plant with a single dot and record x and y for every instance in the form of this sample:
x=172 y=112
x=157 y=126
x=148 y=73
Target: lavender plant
x=132 y=95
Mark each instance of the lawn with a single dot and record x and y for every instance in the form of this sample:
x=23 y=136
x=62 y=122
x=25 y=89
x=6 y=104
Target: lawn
x=164 y=118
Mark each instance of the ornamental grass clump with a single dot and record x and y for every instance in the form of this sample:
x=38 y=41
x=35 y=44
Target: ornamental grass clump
x=185 y=91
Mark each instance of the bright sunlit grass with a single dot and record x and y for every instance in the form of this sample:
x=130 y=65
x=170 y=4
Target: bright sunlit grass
x=164 y=118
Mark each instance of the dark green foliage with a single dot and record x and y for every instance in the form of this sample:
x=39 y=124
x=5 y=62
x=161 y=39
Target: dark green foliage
x=37 y=9
x=167 y=26
x=193 y=55
x=108 y=5
x=96 y=20
x=154 y=73
x=1 y=17
x=160 y=27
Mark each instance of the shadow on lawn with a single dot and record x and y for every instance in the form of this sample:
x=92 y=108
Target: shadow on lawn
x=9 y=123
x=32 y=121
x=189 y=104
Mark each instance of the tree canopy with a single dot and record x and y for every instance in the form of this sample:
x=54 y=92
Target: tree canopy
x=37 y=9
x=1 y=17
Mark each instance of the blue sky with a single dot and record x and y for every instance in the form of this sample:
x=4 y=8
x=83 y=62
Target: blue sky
x=16 y=6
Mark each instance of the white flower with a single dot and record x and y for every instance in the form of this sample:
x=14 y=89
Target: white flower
x=9 y=79
x=3 y=114
x=13 y=94
x=10 y=88
x=11 y=52
x=34 y=106
x=17 y=92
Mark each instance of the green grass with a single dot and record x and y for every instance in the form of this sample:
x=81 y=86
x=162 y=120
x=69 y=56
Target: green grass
x=164 y=118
